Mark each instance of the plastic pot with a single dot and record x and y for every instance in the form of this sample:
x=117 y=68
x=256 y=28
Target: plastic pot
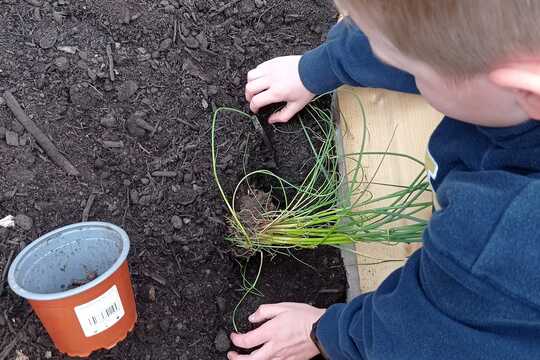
x=77 y=281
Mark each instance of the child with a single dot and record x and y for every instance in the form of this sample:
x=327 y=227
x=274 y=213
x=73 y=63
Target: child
x=473 y=290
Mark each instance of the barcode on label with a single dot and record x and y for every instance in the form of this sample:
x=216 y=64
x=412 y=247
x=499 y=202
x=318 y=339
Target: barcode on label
x=100 y=313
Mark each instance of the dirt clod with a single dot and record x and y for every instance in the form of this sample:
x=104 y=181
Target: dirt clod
x=48 y=38
x=222 y=342
x=12 y=138
x=177 y=222
x=61 y=63
x=84 y=96
x=133 y=124
x=108 y=121
x=24 y=222
x=127 y=90
x=165 y=324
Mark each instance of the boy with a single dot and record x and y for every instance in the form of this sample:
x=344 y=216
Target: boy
x=473 y=290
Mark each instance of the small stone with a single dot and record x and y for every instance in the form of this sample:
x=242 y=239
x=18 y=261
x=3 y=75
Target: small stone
x=17 y=127
x=24 y=139
x=165 y=44
x=99 y=164
x=222 y=341
x=108 y=121
x=213 y=90
x=221 y=304
x=191 y=42
x=48 y=38
x=61 y=63
x=203 y=41
x=177 y=222
x=24 y=222
x=12 y=138
x=165 y=324
x=134 y=122
x=151 y=293
x=187 y=220
x=169 y=9
x=127 y=90
x=145 y=181
x=48 y=354
x=134 y=196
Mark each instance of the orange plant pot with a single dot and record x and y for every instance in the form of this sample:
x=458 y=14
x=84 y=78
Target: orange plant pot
x=95 y=315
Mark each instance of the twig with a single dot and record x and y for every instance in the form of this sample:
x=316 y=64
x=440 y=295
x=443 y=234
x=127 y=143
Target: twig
x=111 y=62
x=175 y=30
x=43 y=141
x=5 y=271
x=126 y=208
x=88 y=207
x=224 y=7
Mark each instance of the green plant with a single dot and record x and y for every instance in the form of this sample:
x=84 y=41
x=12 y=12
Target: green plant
x=315 y=215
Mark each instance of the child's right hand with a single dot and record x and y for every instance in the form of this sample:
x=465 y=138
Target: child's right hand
x=277 y=80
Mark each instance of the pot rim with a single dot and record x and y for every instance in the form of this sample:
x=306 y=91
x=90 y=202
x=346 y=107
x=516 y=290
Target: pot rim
x=30 y=295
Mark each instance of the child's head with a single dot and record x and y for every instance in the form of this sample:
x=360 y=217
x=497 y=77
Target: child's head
x=476 y=60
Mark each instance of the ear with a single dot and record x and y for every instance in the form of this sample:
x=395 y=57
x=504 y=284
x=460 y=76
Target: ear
x=524 y=79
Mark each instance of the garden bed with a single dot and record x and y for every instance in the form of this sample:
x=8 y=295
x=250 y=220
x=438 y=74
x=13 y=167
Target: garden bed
x=140 y=137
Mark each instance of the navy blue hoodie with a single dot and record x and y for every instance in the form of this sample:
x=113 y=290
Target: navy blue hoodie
x=473 y=290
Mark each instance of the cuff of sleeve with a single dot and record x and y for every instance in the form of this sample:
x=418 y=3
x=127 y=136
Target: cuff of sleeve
x=316 y=71
x=327 y=332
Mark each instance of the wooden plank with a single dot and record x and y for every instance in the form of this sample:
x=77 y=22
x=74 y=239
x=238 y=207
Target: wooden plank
x=401 y=123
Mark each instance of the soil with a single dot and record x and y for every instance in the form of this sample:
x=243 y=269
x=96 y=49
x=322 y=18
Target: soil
x=139 y=134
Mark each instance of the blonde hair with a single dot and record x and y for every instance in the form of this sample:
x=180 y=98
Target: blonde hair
x=458 y=38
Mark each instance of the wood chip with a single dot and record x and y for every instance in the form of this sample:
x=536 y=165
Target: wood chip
x=88 y=207
x=169 y=174
x=113 y=144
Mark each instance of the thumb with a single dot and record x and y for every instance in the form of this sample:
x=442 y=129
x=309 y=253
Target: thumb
x=286 y=114
x=266 y=312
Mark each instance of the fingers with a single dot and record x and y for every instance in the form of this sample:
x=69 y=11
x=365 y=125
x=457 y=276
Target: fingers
x=252 y=339
x=286 y=113
x=254 y=74
x=263 y=353
x=266 y=312
x=261 y=100
x=256 y=86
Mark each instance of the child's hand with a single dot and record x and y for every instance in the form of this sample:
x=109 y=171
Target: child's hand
x=274 y=81
x=284 y=335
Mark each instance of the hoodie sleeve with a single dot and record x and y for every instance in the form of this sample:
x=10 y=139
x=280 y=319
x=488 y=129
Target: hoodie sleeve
x=472 y=291
x=401 y=321
x=346 y=58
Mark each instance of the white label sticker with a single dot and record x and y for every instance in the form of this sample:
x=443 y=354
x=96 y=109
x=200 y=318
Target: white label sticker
x=101 y=313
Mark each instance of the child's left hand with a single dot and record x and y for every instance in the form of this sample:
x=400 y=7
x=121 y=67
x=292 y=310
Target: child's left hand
x=284 y=335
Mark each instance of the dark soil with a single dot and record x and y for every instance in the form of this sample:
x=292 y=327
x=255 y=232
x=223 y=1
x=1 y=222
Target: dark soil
x=140 y=136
